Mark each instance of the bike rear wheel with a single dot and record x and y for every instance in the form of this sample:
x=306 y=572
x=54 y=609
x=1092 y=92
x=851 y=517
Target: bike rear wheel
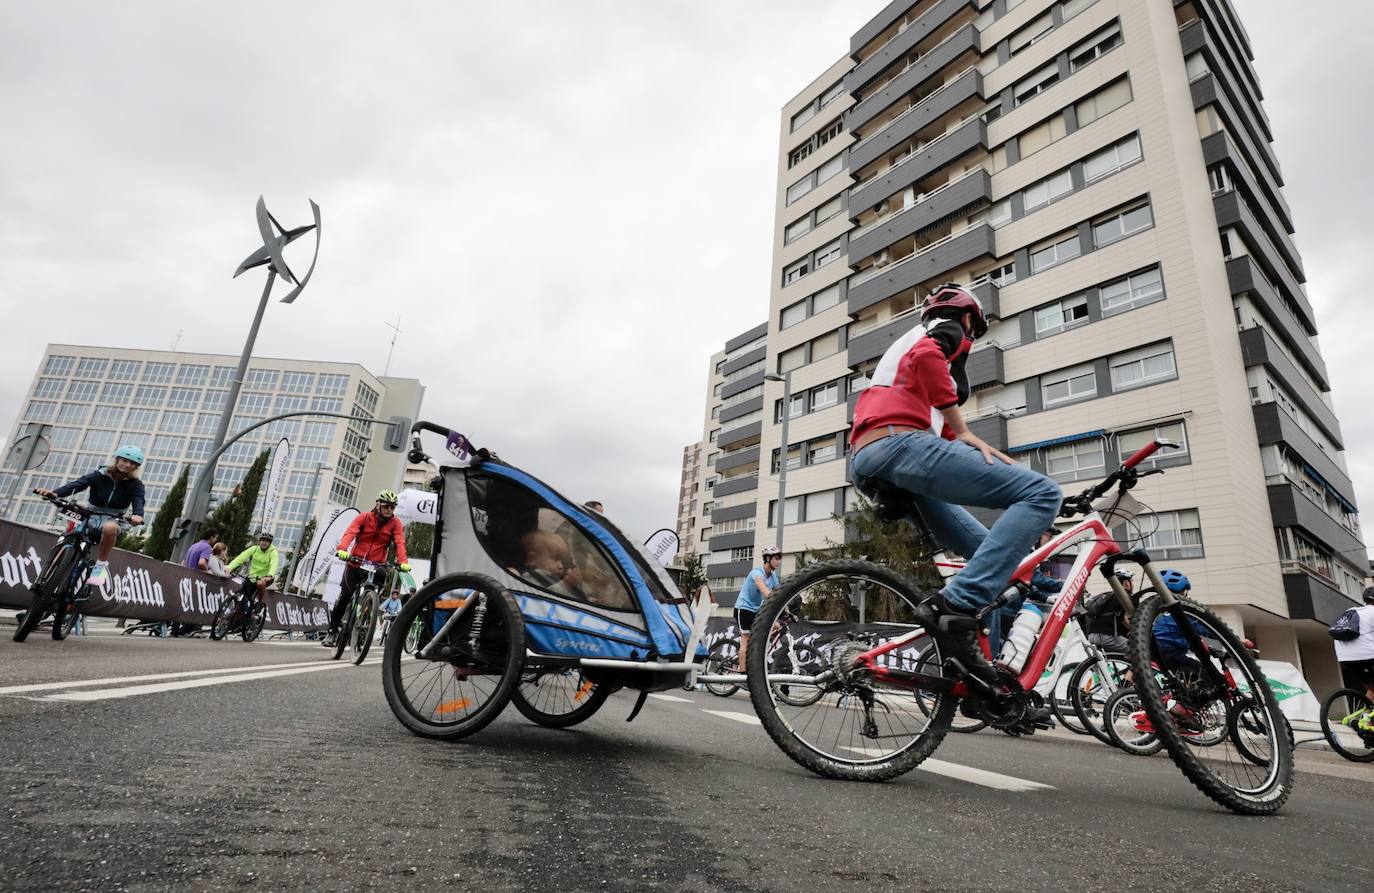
x=365 y=625
x=63 y=620
x=1120 y=715
x=1181 y=686
x=1091 y=684
x=345 y=631
x=1347 y=740
x=254 y=622
x=861 y=728
x=463 y=673
x=558 y=698
x=721 y=661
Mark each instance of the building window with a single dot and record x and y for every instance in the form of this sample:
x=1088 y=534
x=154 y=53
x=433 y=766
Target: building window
x=199 y=449
x=1047 y=190
x=1036 y=83
x=1076 y=461
x=59 y=365
x=107 y=416
x=159 y=373
x=1061 y=315
x=1030 y=34
x=1177 y=534
x=159 y=471
x=165 y=445
x=49 y=388
x=1129 y=442
x=222 y=377
x=794 y=314
x=98 y=441
x=1112 y=159
x=73 y=414
x=329 y=385
x=83 y=391
x=261 y=379
x=190 y=374
x=825 y=396
x=1063 y=387
x=64 y=438
x=90 y=367
x=1132 y=291
x=125 y=370
x=149 y=395
x=832 y=93
x=1141 y=367
x=184 y=398
x=1095 y=47
x=42 y=410
x=796 y=271
x=177 y=422
x=1120 y=225
x=796 y=230
x=1108 y=99
x=1052 y=255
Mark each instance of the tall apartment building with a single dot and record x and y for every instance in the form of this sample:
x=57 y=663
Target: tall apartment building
x=169 y=403
x=1100 y=173
x=688 y=499
x=722 y=512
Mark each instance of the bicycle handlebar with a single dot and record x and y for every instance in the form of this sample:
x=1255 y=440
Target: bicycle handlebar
x=83 y=511
x=1126 y=476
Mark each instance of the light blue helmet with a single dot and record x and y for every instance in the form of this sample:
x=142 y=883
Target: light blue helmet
x=130 y=452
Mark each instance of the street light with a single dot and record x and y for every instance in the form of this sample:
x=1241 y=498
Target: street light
x=786 y=379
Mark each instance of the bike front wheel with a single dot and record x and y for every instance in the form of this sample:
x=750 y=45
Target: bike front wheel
x=219 y=626
x=47 y=589
x=1092 y=683
x=344 y=632
x=863 y=727
x=253 y=624
x=1189 y=668
x=365 y=625
x=1127 y=725
x=722 y=660
x=1341 y=712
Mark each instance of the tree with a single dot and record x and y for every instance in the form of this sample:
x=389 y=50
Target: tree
x=235 y=514
x=419 y=539
x=898 y=545
x=159 y=543
x=131 y=542
x=693 y=574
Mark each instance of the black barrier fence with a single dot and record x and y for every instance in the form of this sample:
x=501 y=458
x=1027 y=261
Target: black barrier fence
x=821 y=636
x=141 y=587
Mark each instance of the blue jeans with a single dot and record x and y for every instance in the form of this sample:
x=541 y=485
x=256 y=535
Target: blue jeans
x=944 y=475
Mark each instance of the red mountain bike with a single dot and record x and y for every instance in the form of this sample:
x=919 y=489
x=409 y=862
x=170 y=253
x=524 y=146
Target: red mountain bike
x=865 y=722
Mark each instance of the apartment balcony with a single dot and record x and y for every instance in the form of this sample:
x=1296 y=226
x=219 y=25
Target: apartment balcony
x=934 y=156
x=985 y=368
x=717 y=571
x=736 y=436
x=1273 y=425
x=1258 y=348
x=1313 y=598
x=1207 y=90
x=732 y=513
x=1219 y=147
x=992 y=429
x=737 y=540
x=744 y=359
x=989 y=295
x=739 y=409
x=874 y=343
x=737 y=387
x=960 y=197
x=738 y=460
x=741 y=484
x=935 y=259
x=961 y=45
x=1246 y=278
x=1232 y=210
x=1291 y=508
x=1193 y=37
x=902 y=40
x=966 y=88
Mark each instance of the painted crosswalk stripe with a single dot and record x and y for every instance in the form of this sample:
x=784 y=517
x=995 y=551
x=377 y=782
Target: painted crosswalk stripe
x=105 y=694
x=670 y=698
x=967 y=773
x=117 y=680
x=737 y=717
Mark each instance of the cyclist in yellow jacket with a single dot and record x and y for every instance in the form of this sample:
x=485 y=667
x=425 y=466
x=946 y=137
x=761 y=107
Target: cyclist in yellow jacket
x=263 y=561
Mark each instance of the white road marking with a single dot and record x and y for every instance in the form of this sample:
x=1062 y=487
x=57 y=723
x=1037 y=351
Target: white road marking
x=104 y=694
x=968 y=773
x=670 y=698
x=45 y=686
x=737 y=717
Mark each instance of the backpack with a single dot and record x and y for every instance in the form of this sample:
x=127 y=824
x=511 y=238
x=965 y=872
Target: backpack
x=1346 y=627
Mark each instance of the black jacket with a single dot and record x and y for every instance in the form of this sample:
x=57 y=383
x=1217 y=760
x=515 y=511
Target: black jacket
x=107 y=495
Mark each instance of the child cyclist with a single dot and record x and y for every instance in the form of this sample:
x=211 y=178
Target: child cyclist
x=112 y=490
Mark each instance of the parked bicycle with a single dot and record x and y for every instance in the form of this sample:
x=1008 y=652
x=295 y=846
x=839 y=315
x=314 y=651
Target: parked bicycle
x=61 y=586
x=788 y=655
x=239 y=611
x=867 y=726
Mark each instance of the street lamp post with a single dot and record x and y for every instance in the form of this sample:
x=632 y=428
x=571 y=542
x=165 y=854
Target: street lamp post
x=786 y=379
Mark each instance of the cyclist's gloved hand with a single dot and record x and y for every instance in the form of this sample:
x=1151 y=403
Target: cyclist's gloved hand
x=405 y=568
x=342 y=553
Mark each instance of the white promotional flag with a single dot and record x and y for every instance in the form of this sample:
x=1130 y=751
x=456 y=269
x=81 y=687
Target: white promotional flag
x=662 y=544
x=322 y=552
x=276 y=482
x=416 y=505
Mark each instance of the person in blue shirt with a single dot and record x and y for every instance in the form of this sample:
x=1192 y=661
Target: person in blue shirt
x=392 y=606
x=760 y=583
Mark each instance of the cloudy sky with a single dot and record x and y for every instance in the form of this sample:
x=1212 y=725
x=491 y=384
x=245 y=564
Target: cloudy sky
x=569 y=204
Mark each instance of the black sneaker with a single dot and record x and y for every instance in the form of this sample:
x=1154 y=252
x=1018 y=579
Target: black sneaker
x=328 y=641
x=961 y=630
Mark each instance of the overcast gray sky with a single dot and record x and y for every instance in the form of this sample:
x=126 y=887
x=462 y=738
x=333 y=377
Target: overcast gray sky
x=569 y=204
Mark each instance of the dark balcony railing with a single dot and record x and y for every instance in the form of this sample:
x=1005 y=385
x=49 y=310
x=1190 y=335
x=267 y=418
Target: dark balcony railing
x=1245 y=277
x=1257 y=347
x=1273 y=425
x=901 y=43
x=931 y=158
x=955 y=250
x=936 y=59
x=885 y=138
x=985 y=368
x=958 y=197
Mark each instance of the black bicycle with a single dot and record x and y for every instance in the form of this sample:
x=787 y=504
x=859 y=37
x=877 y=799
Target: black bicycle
x=61 y=587
x=360 y=618
x=1341 y=714
x=231 y=615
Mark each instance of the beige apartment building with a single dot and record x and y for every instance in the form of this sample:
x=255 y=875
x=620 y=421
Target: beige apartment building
x=1100 y=172
x=689 y=501
x=169 y=404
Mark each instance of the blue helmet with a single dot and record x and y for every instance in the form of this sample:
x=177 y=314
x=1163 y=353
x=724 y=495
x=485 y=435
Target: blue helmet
x=1176 y=581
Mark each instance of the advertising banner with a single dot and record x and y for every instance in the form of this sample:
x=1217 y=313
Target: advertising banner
x=416 y=505
x=663 y=545
x=322 y=552
x=141 y=587
x=276 y=482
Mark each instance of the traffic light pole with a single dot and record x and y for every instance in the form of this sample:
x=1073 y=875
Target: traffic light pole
x=198 y=506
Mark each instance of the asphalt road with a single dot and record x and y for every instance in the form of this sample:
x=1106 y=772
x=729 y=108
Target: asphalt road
x=282 y=771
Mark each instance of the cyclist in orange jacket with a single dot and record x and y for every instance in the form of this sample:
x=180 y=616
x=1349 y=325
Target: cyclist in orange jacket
x=369 y=537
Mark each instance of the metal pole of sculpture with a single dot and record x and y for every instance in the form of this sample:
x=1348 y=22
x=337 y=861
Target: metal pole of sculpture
x=275 y=237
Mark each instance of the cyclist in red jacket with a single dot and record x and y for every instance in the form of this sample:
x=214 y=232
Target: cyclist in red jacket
x=370 y=535
x=908 y=434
